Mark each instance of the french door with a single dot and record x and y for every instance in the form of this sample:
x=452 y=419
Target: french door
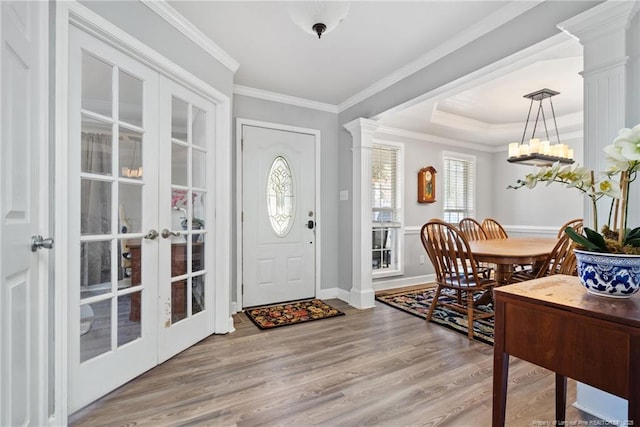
x=139 y=214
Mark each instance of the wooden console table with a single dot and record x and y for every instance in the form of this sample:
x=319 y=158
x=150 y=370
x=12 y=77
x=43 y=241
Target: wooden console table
x=554 y=323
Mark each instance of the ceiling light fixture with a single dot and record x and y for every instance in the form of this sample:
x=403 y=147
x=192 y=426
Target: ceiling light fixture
x=318 y=17
x=536 y=152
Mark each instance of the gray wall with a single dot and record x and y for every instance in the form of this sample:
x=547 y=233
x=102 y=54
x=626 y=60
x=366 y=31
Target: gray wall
x=245 y=107
x=419 y=154
x=532 y=27
x=543 y=205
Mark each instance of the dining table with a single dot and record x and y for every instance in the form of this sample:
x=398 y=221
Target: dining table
x=510 y=252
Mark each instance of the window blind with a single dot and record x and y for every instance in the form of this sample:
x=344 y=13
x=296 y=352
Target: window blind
x=459 y=188
x=385 y=199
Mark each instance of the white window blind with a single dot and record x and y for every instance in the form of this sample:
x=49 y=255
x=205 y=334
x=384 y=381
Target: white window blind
x=385 y=197
x=459 y=187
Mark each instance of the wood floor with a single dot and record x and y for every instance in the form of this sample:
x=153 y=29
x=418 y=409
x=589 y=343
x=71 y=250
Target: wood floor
x=371 y=367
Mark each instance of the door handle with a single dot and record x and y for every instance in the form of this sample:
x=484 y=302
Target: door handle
x=39 y=242
x=311 y=224
x=166 y=233
x=151 y=235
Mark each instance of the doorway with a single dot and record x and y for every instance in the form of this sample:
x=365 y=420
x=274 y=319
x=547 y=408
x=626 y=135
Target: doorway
x=279 y=215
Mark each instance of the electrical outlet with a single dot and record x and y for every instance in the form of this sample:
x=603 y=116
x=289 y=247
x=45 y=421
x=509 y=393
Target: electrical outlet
x=422 y=260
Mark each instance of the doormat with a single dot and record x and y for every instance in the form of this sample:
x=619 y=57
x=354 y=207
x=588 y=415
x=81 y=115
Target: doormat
x=417 y=302
x=291 y=313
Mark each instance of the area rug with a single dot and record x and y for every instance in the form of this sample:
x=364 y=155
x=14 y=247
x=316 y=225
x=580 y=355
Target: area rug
x=417 y=302
x=291 y=313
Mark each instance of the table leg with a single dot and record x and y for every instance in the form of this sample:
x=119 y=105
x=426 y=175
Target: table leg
x=634 y=378
x=503 y=273
x=561 y=398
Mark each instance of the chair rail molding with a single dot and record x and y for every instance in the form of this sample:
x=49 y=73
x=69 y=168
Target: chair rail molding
x=362 y=294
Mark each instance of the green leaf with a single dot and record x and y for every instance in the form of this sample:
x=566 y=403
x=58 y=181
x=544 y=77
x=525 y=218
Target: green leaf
x=633 y=234
x=582 y=241
x=595 y=238
x=633 y=242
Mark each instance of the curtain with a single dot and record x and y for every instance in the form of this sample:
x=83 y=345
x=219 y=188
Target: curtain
x=96 y=208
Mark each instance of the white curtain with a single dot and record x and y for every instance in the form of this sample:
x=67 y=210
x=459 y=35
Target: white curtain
x=96 y=208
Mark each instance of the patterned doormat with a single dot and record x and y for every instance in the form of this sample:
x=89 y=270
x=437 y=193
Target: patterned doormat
x=291 y=313
x=417 y=302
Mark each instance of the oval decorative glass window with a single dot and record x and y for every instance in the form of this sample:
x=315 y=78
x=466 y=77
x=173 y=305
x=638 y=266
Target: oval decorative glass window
x=280 y=196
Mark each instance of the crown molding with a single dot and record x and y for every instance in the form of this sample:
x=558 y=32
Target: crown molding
x=182 y=24
x=284 y=99
x=425 y=137
x=490 y=23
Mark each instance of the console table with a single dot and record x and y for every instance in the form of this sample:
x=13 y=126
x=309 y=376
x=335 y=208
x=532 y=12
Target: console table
x=554 y=323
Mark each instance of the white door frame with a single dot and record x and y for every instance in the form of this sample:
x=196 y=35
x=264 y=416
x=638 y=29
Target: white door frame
x=239 y=174
x=73 y=13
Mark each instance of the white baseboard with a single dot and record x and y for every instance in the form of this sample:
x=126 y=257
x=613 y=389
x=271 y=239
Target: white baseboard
x=383 y=285
x=341 y=294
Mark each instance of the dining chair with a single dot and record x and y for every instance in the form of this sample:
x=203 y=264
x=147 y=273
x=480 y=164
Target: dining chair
x=576 y=224
x=456 y=269
x=493 y=229
x=561 y=260
x=472 y=229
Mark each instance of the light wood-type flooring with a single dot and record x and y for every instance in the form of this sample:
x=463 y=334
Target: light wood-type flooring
x=377 y=367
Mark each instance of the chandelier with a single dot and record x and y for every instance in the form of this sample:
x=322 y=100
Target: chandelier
x=536 y=152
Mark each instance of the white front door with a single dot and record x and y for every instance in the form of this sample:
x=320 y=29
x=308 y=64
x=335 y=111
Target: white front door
x=24 y=299
x=279 y=215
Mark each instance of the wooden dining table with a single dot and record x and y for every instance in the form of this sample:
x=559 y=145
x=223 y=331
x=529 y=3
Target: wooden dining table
x=507 y=253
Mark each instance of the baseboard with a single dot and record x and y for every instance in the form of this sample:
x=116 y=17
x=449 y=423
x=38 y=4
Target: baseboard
x=383 y=285
x=338 y=293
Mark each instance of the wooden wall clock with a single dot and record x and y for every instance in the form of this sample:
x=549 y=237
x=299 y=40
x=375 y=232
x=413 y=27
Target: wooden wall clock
x=427 y=185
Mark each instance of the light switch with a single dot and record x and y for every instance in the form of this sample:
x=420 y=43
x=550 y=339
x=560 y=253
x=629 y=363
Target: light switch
x=344 y=194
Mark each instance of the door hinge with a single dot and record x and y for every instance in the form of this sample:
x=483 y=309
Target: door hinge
x=241 y=144
x=242 y=216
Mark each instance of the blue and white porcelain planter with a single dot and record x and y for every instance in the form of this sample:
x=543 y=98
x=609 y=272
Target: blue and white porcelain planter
x=610 y=275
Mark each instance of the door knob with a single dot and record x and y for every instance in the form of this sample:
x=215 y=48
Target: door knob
x=151 y=235
x=166 y=233
x=39 y=242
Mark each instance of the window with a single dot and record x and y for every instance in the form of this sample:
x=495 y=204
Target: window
x=386 y=212
x=459 y=187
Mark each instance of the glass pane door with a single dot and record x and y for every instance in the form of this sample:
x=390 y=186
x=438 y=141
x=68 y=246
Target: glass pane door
x=112 y=194
x=186 y=280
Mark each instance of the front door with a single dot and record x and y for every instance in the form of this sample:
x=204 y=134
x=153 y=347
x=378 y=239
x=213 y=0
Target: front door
x=278 y=216
x=24 y=299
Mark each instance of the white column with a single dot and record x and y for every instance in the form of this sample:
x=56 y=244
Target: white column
x=602 y=30
x=605 y=33
x=361 y=294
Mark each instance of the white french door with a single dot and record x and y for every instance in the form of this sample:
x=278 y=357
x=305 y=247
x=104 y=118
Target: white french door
x=186 y=296
x=140 y=164
x=279 y=215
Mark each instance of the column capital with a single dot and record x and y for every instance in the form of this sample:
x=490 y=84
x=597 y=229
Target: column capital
x=603 y=26
x=361 y=127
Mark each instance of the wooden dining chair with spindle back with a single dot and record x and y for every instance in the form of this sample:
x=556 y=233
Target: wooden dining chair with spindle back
x=576 y=224
x=493 y=229
x=561 y=260
x=472 y=229
x=456 y=269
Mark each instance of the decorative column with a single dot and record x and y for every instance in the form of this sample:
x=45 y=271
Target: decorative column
x=611 y=81
x=602 y=30
x=362 y=295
